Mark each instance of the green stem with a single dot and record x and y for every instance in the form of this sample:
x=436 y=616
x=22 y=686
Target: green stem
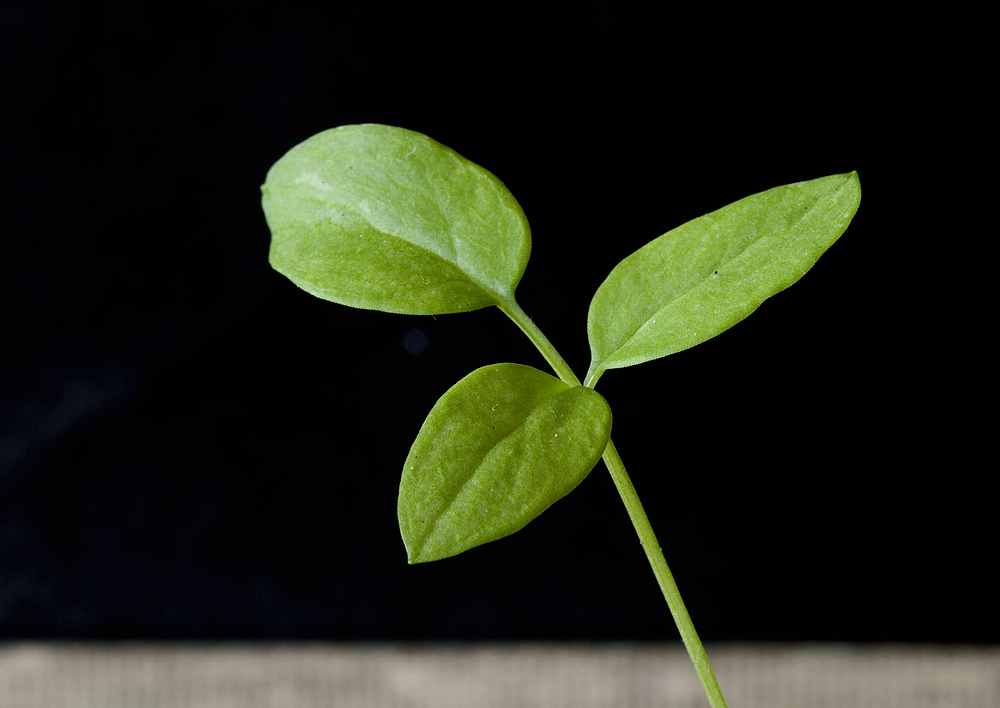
x=635 y=511
x=663 y=576
x=541 y=342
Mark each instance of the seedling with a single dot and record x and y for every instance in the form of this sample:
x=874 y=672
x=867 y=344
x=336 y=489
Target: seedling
x=383 y=218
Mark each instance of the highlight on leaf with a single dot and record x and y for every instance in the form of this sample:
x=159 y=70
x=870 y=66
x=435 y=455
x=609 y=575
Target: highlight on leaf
x=383 y=218
x=701 y=278
x=498 y=448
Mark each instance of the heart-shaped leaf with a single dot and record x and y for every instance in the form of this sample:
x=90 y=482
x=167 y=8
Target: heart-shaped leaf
x=498 y=448
x=384 y=218
x=701 y=278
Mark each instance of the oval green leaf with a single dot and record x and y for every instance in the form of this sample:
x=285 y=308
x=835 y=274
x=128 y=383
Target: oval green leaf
x=498 y=448
x=384 y=218
x=701 y=278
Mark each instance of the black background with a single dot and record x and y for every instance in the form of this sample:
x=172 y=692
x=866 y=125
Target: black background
x=191 y=447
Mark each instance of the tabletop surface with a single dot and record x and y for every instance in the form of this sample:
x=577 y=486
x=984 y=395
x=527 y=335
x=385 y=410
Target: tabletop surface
x=498 y=675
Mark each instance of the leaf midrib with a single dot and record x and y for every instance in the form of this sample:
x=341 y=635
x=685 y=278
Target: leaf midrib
x=479 y=464
x=498 y=296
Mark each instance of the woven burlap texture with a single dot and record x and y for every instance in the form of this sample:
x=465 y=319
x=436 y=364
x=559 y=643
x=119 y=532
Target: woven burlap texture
x=195 y=675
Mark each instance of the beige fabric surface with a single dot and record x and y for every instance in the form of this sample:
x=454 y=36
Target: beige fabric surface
x=53 y=675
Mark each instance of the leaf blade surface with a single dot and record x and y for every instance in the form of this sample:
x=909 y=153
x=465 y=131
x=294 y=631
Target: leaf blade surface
x=384 y=218
x=498 y=448
x=701 y=278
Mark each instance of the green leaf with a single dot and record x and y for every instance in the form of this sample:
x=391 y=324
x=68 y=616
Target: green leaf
x=383 y=218
x=498 y=448
x=701 y=278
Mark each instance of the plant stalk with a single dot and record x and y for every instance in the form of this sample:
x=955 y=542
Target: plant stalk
x=664 y=577
x=541 y=342
x=640 y=521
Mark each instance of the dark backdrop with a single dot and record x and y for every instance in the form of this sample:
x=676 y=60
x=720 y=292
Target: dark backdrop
x=191 y=447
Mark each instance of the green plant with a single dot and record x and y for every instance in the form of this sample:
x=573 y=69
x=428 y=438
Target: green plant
x=383 y=218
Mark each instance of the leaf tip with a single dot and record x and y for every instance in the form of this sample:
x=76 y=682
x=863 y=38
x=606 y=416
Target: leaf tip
x=415 y=549
x=414 y=558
